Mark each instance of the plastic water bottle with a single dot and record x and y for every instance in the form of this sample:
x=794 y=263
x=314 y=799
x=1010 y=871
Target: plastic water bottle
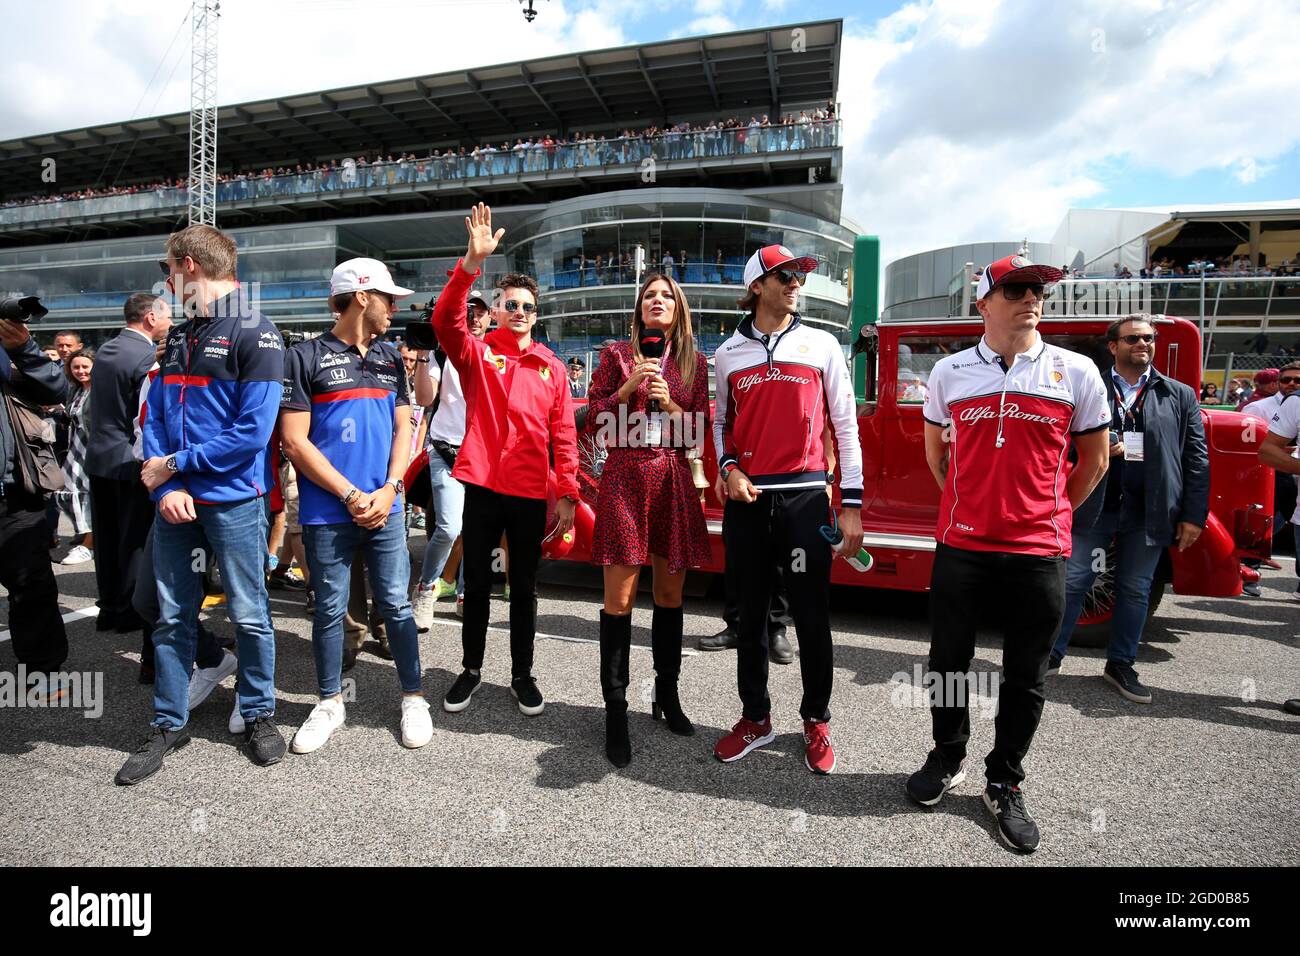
x=860 y=562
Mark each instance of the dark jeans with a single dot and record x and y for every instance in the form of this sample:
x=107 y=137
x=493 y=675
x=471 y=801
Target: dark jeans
x=121 y=514
x=35 y=624
x=523 y=521
x=780 y=530
x=778 y=618
x=1028 y=594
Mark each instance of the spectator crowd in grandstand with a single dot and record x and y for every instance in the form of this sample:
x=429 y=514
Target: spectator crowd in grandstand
x=809 y=129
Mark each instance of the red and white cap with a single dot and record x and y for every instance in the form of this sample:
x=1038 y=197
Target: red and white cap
x=1015 y=269
x=770 y=258
x=358 y=275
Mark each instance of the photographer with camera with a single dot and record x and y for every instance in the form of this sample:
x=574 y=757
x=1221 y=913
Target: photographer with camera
x=28 y=380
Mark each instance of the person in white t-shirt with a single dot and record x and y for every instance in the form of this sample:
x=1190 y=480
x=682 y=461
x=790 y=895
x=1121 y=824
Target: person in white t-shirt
x=1284 y=487
x=1283 y=434
x=435 y=377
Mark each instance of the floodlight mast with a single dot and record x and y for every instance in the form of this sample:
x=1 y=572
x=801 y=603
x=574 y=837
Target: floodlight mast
x=204 y=17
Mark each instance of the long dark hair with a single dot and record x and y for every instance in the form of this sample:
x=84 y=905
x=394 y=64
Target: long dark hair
x=681 y=335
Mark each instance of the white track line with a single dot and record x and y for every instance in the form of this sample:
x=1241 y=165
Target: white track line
x=77 y=615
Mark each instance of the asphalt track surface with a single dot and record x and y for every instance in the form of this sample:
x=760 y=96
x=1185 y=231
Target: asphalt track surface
x=1204 y=776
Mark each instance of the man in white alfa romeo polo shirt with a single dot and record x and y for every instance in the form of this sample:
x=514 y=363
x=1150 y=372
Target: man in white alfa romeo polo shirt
x=1000 y=419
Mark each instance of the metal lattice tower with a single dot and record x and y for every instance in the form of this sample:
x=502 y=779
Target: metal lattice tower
x=204 y=16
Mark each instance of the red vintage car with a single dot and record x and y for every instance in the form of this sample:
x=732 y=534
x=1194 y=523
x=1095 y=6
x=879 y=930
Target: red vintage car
x=901 y=499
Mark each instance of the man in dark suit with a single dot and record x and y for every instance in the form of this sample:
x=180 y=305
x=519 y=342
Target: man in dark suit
x=1156 y=494
x=120 y=507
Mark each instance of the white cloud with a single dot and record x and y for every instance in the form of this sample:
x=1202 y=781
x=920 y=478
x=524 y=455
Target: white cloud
x=108 y=50
x=987 y=122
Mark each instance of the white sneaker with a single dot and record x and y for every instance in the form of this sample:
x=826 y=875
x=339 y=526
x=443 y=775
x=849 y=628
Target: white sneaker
x=325 y=718
x=205 y=679
x=236 y=724
x=417 y=727
x=80 y=554
x=422 y=601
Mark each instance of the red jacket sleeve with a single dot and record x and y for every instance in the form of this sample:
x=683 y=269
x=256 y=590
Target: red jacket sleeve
x=449 y=320
x=564 y=437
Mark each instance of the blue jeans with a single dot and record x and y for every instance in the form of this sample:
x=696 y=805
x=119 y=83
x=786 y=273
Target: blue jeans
x=329 y=550
x=447 y=502
x=236 y=535
x=1135 y=562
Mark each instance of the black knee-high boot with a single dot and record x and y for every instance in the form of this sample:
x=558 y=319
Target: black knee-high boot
x=615 y=647
x=666 y=645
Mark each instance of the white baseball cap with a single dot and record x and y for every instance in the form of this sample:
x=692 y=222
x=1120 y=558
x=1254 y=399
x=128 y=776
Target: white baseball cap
x=357 y=275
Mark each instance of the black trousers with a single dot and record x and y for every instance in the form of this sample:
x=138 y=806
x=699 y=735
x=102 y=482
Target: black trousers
x=122 y=515
x=1027 y=593
x=778 y=619
x=523 y=521
x=35 y=624
x=780 y=530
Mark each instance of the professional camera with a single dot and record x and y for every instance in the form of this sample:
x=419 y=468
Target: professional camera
x=22 y=308
x=291 y=337
x=419 y=332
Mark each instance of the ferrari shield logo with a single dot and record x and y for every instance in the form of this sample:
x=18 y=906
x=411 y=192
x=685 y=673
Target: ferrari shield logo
x=545 y=373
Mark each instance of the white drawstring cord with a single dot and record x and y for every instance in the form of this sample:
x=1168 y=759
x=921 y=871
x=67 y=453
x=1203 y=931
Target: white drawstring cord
x=1002 y=405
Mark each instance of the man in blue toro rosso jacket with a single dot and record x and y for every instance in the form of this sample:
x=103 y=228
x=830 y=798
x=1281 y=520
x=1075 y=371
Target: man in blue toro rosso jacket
x=211 y=410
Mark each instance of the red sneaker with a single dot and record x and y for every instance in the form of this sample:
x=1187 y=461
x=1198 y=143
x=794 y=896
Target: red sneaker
x=744 y=737
x=818 y=756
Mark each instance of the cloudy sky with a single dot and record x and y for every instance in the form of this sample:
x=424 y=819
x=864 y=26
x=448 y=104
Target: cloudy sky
x=963 y=120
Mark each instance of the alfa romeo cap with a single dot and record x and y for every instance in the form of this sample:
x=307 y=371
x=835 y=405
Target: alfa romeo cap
x=1015 y=269
x=770 y=258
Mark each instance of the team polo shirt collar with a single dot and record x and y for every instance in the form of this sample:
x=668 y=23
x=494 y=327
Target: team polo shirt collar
x=986 y=353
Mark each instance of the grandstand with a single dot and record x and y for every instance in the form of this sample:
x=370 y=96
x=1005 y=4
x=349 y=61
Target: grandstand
x=697 y=150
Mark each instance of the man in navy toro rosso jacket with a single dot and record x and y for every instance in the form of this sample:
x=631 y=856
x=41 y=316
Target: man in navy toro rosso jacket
x=211 y=411
x=779 y=384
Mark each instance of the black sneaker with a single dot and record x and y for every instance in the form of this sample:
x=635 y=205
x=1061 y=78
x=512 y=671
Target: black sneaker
x=1252 y=588
x=1054 y=664
x=1015 y=826
x=349 y=659
x=725 y=640
x=148 y=757
x=1125 y=679
x=457 y=698
x=779 y=650
x=529 y=697
x=265 y=742
x=1292 y=706
x=935 y=778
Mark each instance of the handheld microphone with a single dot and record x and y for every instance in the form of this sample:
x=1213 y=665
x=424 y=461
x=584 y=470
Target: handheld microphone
x=652 y=347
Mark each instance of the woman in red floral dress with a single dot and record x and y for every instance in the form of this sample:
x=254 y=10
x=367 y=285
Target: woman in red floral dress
x=648 y=510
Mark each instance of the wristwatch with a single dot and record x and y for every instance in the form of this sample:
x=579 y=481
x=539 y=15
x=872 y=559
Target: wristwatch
x=727 y=469
x=398 y=484
x=830 y=477
x=171 y=464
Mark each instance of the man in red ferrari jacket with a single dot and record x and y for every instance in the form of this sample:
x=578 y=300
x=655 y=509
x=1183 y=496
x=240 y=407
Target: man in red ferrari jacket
x=517 y=412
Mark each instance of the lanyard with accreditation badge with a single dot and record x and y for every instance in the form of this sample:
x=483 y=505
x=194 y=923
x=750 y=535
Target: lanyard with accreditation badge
x=1132 y=438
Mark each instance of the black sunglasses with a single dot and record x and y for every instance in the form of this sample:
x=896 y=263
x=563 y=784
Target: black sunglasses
x=784 y=276
x=1014 y=291
x=514 y=306
x=1145 y=338
x=1288 y=381
x=166 y=269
